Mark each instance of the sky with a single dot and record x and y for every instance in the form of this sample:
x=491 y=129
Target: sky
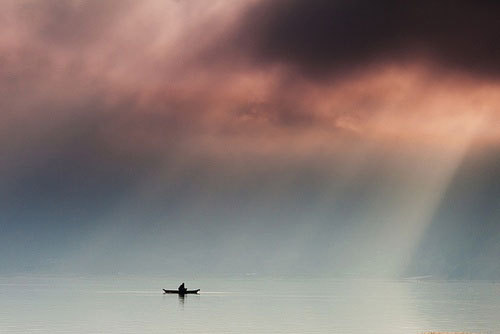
x=345 y=138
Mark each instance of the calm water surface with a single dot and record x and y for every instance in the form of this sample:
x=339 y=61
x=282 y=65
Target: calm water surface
x=246 y=305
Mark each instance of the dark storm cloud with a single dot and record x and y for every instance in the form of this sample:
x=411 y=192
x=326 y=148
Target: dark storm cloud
x=323 y=36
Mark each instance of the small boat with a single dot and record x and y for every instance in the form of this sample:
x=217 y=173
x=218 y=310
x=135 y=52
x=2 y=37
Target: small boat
x=182 y=293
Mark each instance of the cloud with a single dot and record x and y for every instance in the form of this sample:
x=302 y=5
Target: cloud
x=322 y=37
x=72 y=22
x=191 y=71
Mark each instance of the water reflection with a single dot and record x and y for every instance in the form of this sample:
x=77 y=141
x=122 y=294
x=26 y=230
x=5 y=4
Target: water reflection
x=182 y=299
x=455 y=306
x=248 y=306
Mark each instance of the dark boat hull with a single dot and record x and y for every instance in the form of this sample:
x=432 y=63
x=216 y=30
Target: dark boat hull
x=188 y=292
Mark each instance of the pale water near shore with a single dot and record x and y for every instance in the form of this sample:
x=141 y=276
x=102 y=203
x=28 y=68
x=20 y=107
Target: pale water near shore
x=246 y=305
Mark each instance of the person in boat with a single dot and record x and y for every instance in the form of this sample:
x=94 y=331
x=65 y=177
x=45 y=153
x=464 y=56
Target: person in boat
x=182 y=289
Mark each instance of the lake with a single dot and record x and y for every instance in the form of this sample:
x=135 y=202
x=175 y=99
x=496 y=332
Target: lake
x=247 y=304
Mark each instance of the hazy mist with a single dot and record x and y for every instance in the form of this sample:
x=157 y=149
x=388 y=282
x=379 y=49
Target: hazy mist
x=191 y=137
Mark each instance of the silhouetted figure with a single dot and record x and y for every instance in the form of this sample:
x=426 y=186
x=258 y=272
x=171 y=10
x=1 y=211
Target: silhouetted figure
x=182 y=289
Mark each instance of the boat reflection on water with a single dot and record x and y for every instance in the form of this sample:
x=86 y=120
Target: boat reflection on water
x=183 y=297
